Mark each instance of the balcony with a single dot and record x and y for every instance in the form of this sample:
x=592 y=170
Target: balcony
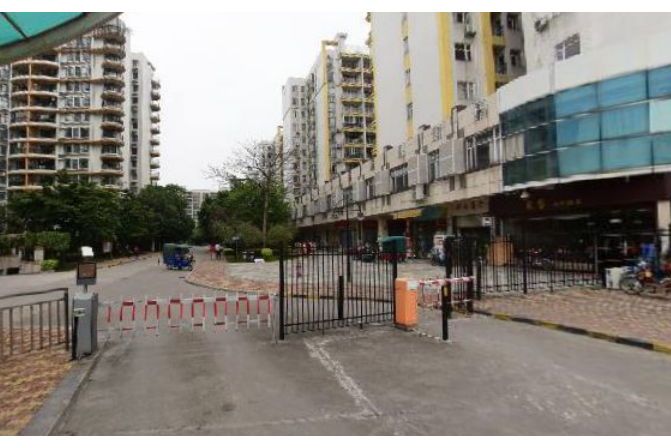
x=111 y=49
x=112 y=108
x=155 y=106
x=114 y=64
x=155 y=94
x=111 y=154
x=154 y=152
x=154 y=175
x=113 y=169
x=110 y=32
x=155 y=118
x=155 y=129
x=155 y=141
x=113 y=78
x=39 y=61
x=155 y=163
x=112 y=93
x=113 y=123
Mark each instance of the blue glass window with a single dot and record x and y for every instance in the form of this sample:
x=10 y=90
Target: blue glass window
x=660 y=116
x=539 y=139
x=622 y=154
x=574 y=101
x=542 y=166
x=579 y=160
x=515 y=172
x=659 y=81
x=578 y=130
x=625 y=121
x=661 y=150
x=623 y=89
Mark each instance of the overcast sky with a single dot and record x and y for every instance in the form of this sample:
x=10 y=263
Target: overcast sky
x=222 y=74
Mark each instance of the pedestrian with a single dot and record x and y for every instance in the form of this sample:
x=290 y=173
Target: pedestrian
x=136 y=251
x=212 y=251
x=217 y=248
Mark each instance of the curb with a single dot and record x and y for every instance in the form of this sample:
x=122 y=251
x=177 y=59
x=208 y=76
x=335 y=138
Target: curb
x=629 y=341
x=58 y=404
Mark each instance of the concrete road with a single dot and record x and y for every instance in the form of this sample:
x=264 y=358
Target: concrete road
x=495 y=378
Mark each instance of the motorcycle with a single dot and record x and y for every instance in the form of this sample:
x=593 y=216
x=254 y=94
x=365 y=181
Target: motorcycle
x=641 y=277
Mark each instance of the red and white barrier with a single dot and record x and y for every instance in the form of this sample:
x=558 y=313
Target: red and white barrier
x=178 y=313
x=153 y=304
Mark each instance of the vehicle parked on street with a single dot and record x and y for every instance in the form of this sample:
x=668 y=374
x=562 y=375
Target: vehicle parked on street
x=178 y=256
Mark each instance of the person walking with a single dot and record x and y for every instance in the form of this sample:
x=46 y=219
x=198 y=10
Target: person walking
x=218 y=249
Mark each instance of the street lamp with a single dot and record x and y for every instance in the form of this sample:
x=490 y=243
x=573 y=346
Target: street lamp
x=359 y=216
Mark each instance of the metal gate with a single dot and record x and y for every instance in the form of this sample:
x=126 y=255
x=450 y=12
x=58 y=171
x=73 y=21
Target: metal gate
x=521 y=263
x=323 y=288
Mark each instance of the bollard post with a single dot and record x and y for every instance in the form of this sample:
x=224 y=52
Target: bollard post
x=445 y=310
x=281 y=298
x=341 y=297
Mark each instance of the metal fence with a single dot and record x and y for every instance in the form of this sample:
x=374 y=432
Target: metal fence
x=36 y=325
x=516 y=264
x=332 y=287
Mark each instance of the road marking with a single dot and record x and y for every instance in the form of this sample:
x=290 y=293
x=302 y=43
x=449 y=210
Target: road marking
x=317 y=351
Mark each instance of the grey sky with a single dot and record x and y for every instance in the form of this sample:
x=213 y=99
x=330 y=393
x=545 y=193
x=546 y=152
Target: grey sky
x=221 y=77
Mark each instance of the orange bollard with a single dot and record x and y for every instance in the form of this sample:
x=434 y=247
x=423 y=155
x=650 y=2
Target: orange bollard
x=406 y=303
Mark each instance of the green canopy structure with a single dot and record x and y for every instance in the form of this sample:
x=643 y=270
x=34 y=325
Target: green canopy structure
x=24 y=34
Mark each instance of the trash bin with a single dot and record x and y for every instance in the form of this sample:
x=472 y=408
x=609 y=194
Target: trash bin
x=85 y=312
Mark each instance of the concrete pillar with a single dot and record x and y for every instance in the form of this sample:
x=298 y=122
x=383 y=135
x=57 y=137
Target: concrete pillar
x=382 y=230
x=664 y=223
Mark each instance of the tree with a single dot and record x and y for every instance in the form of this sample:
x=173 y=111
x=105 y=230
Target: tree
x=88 y=213
x=259 y=164
x=165 y=214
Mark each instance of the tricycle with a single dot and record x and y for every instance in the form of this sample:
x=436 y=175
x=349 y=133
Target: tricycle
x=178 y=256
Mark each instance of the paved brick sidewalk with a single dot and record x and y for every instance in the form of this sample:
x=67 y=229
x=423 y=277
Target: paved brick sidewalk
x=216 y=275
x=25 y=383
x=604 y=311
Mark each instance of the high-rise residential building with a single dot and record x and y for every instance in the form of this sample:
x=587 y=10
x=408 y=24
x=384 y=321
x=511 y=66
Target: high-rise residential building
x=194 y=200
x=329 y=121
x=70 y=109
x=300 y=167
x=4 y=130
x=429 y=64
x=579 y=144
x=144 y=123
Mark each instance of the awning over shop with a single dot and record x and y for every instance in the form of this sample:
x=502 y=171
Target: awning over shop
x=24 y=34
x=407 y=214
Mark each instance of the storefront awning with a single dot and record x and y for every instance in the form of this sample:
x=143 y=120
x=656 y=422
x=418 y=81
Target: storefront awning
x=24 y=34
x=407 y=214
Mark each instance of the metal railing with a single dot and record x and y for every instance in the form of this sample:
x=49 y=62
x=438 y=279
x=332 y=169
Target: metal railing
x=29 y=327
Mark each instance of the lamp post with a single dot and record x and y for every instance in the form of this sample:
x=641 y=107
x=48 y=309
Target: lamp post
x=348 y=241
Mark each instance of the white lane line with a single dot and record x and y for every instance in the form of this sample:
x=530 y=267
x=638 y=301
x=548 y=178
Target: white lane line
x=317 y=351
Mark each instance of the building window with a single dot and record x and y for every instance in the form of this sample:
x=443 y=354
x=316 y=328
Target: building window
x=407 y=77
x=516 y=58
x=462 y=52
x=408 y=111
x=466 y=90
x=568 y=48
x=460 y=17
x=433 y=165
x=370 y=188
x=406 y=45
x=513 y=21
x=399 y=178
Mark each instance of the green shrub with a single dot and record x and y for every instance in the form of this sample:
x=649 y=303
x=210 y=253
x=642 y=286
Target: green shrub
x=49 y=265
x=267 y=254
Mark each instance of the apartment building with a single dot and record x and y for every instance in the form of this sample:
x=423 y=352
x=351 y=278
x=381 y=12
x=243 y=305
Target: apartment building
x=329 y=120
x=430 y=64
x=70 y=109
x=588 y=131
x=145 y=119
x=4 y=130
x=581 y=143
x=194 y=200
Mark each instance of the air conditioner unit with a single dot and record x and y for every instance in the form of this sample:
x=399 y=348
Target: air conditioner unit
x=469 y=30
x=541 y=24
x=418 y=193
